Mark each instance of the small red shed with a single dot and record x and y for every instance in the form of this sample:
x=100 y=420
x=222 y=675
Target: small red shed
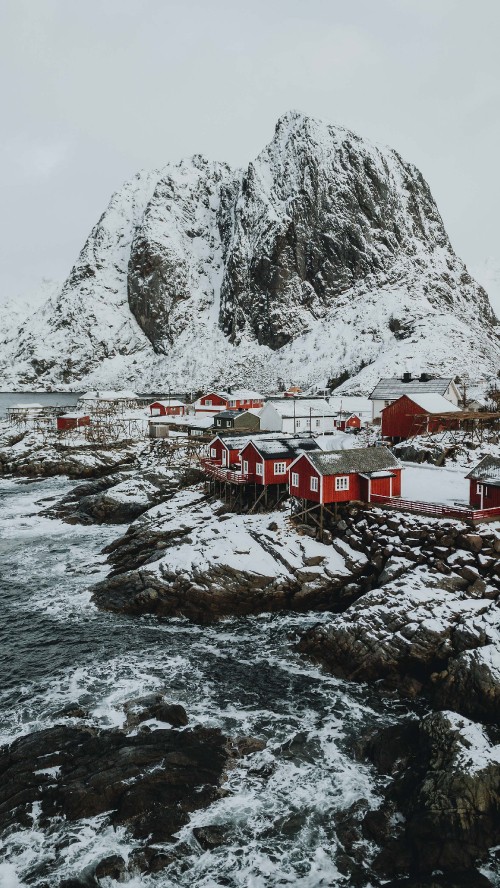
x=172 y=407
x=418 y=415
x=72 y=421
x=344 y=475
x=485 y=484
x=266 y=460
x=345 y=421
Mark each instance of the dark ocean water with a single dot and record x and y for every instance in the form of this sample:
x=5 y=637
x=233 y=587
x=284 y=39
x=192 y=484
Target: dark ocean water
x=242 y=675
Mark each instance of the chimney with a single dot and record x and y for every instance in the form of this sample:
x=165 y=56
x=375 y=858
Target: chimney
x=407 y=377
x=424 y=377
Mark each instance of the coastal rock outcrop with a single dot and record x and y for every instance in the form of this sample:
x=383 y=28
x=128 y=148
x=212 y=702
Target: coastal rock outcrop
x=442 y=805
x=28 y=455
x=148 y=780
x=189 y=557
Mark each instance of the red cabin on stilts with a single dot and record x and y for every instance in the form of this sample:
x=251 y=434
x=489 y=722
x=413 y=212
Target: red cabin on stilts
x=345 y=475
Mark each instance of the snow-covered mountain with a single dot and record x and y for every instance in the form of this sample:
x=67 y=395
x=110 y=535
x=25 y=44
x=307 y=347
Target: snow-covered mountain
x=327 y=256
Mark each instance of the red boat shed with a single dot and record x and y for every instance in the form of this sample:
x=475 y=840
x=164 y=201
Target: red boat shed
x=172 y=407
x=485 y=484
x=418 y=415
x=72 y=421
x=337 y=476
x=266 y=460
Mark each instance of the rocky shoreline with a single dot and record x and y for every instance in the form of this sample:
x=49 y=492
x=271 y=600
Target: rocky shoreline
x=146 y=777
x=415 y=612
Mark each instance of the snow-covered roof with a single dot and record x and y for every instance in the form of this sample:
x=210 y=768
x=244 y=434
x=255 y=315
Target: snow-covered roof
x=360 y=460
x=487 y=471
x=433 y=403
x=301 y=407
x=74 y=416
x=286 y=448
x=26 y=407
x=232 y=414
x=244 y=395
x=392 y=389
x=199 y=422
x=173 y=402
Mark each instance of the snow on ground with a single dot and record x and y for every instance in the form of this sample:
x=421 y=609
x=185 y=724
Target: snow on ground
x=241 y=543
x=430 y=484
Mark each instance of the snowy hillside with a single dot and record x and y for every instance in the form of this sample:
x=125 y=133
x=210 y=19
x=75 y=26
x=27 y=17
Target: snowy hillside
x=327 y=256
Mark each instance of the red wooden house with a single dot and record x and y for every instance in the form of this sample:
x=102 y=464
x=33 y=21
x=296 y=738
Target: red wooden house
x=225 y=451
x=266 y=460
x=418 y=414
x=345 y=421
x=485 y=484
x=72 y=421
x=216 y=402
x=344 y=475
x=172 y=407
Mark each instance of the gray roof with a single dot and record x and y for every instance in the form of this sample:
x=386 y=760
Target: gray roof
x=284 y=448
x=363 y=460
x=488 y=471
x=391 y=389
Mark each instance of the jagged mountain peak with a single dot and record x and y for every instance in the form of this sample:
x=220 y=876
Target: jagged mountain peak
x=325 y=257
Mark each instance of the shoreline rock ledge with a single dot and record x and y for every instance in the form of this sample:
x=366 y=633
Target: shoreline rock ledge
x=188 y=557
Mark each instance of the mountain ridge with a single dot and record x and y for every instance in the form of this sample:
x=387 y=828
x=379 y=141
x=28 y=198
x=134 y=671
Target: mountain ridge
x=326 y=256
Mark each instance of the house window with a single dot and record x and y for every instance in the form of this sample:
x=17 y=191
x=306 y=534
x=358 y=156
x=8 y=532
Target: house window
x=259 y=469
x=280 y=468
x=314 y=483
x=317 y=423
x=342 y=483
x=232 y=403
x=208 y=403
x=218 y=422
x=213 y=452
x=245 y=467
x=297 y=423
x=295 y=479
x=479 y=488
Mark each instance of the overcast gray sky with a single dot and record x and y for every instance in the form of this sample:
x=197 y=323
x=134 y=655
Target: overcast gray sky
x=93 y=90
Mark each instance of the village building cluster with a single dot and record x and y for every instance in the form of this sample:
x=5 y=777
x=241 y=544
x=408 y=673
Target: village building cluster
x=287 y=444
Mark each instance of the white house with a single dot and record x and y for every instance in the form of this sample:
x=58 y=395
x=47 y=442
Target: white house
x=297 y=415
x=388 y=390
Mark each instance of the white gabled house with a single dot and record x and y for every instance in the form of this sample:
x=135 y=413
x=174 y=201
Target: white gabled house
x=295 y=416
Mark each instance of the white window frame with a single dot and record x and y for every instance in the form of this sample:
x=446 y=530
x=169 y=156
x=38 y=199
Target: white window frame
x=245 y=467
x=208 y=403
x=317 y=423
x=280 y=468
x=231 y=403
x=314 y=483
x=342 y=482
x=259 y=469
x=295 y=479
x=218 y=422
x=297 y=423
x=213 y=453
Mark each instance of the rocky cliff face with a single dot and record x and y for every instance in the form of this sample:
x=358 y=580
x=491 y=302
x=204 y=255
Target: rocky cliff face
x=326 y=256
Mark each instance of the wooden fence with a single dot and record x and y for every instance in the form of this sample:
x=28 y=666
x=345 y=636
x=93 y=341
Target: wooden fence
x=437 y=510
